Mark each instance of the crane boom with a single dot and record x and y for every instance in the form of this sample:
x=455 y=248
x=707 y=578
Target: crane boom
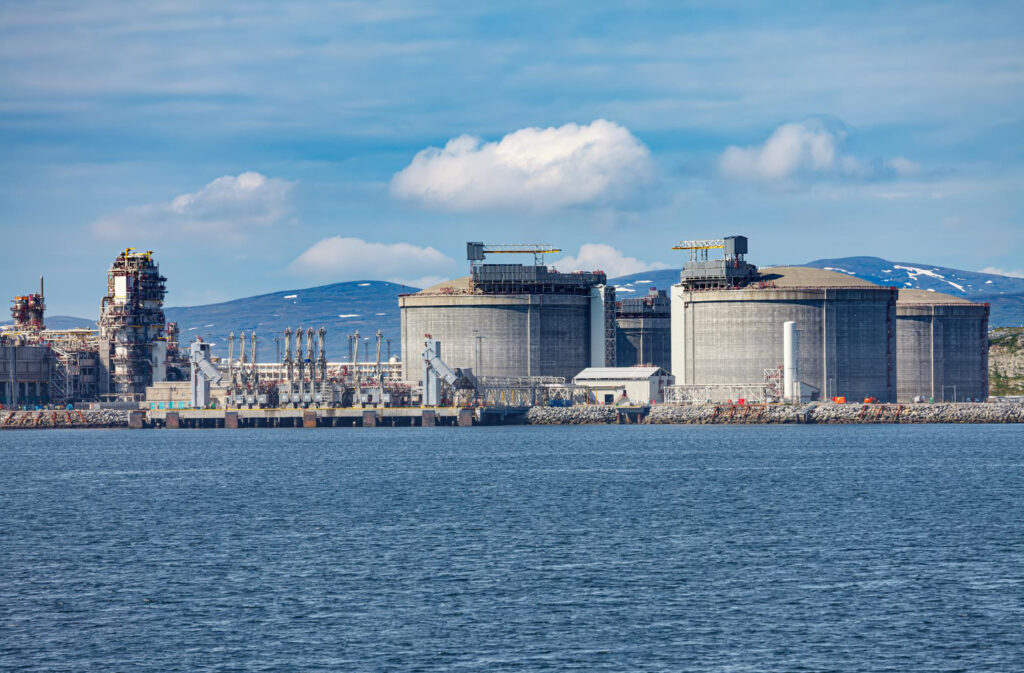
x=703 y=244
x=476 y=251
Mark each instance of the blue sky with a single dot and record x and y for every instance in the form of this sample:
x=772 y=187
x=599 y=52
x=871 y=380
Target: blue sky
x=258 y=146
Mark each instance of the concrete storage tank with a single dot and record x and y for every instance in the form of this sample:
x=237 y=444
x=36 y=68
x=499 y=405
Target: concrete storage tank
x=644 y=331
x=731 y=334
x=511 y=320
x=942 y=347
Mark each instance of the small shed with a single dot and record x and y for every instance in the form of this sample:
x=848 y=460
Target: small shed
x=617 y=385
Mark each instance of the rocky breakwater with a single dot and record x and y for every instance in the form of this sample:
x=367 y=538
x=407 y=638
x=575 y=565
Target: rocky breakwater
x=753 y=414
x=74 y=418
x=819 y=413
x=576 y=415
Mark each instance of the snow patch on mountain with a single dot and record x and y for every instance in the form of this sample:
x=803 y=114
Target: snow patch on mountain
x=914 y=272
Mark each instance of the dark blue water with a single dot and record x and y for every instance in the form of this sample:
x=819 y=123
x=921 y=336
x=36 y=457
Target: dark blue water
x=878 y=548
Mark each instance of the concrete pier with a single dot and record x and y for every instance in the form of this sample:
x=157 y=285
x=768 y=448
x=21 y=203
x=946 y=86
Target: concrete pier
x=310 y=418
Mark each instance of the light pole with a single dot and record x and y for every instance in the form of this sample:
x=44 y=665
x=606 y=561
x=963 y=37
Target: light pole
x=478 y=359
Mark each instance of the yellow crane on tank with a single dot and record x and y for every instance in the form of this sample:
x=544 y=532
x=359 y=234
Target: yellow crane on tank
x=476 y=251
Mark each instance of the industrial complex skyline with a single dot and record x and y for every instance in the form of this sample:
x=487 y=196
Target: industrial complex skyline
x=260 y=147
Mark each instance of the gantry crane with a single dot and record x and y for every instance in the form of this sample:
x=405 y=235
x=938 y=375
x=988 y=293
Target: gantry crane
x=475 y=252
x=699 y=248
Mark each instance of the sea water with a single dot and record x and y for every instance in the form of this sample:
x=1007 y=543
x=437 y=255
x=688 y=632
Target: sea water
x=623 y=548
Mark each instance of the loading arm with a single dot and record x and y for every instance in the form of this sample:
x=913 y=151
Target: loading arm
x=203 y=374
x=435 y=371
x=447 y=374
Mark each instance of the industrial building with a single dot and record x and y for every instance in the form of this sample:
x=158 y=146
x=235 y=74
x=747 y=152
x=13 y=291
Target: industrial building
x=644 y=331
x=27 y=311
x=133 y=346
x=632 y=385
x=727 y=328
x=942 y=347
x=512 y=320
x=25 y=374
x=116 y=363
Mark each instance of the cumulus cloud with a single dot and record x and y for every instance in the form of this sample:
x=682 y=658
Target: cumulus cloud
x=804 y=149
x=224 y=208
x=599 y=256
x=1015 y=273
x=340 y=257
x=600 y=163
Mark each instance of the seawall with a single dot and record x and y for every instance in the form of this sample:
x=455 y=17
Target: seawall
x=814 y=413
x=74 y=418
x=700 y=414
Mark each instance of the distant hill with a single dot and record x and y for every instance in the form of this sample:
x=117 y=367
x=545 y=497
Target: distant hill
x=64 y=322
x=637 y=284
x=343 y=308
x=1004 y=294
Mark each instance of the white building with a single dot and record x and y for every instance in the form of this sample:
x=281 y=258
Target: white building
x=633 y=385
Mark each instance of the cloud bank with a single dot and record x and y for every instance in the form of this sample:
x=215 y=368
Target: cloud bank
x=806 y=149
x=1014 y=273
x=224 y=208
x=340 y=257
x=599 y=256
x=600 y=163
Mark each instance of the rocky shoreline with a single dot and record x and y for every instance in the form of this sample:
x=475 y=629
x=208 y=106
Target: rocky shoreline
x=814 y=413
x=699 y=414
x=73 y=418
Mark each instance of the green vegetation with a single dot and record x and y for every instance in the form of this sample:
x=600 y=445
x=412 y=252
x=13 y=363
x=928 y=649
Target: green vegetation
x=1006 y=361
x=1011 y=338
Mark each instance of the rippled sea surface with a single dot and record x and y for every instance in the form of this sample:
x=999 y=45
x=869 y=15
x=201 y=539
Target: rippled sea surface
x=643 y=548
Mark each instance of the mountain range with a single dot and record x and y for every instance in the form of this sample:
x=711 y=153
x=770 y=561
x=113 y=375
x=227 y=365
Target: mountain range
x=368 y=305
x=1004 y=294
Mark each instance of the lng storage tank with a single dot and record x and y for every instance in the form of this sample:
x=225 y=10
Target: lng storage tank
x=942 y=347
x=731 y=335
x=512 y=320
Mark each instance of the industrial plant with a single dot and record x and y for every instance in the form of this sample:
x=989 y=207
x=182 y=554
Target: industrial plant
x=511 y=336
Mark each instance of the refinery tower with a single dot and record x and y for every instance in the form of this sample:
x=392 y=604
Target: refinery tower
x=133 y=346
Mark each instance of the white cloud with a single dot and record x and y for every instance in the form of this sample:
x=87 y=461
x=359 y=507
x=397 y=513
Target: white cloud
x=600 y=163
x=1015 y=273
x=803 y=149
x=341 y=257
x=902 y=166
x=791 y=149
x=599 y=256
x=225 y=207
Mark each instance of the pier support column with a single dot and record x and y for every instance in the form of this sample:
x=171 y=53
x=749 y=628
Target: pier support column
x=172 y=421
x=429 y=418
x=369 y=419
x=309 y=419
x=465 y=418
x=135 y=420
x=231 y=420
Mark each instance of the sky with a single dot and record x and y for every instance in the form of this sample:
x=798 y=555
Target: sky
x=261 y=146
